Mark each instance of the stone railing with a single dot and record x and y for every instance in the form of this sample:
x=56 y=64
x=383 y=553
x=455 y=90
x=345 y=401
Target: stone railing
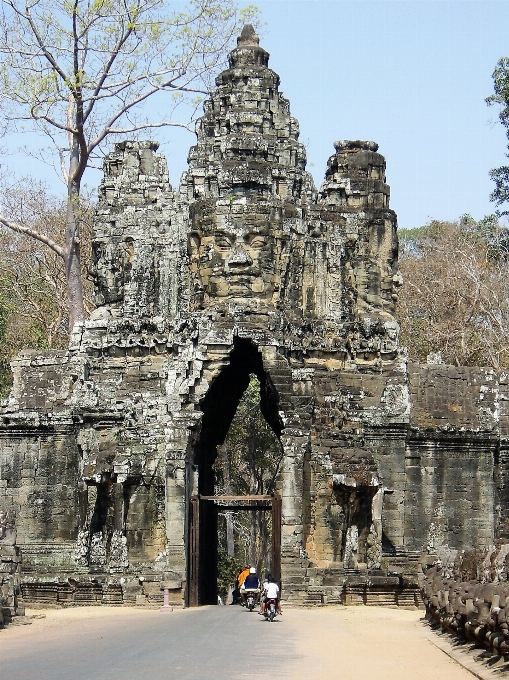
x=467 y=594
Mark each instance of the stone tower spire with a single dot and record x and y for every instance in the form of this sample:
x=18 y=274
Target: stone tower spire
x=248 y=50
x=246 y=171
x=247 y=139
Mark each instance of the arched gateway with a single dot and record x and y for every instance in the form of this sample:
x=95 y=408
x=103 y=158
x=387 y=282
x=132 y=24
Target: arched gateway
x=218 y=407
x=245 y=269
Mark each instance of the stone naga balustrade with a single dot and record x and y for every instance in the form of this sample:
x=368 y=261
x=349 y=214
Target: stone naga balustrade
x=467 y=594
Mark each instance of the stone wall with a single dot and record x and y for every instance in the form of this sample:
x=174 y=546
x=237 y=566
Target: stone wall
x=10 y=560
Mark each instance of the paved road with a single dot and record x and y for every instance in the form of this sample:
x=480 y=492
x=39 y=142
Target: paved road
x=204 y=644
x=324 y=643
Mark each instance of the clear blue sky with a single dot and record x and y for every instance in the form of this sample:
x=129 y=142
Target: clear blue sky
x=411 y=75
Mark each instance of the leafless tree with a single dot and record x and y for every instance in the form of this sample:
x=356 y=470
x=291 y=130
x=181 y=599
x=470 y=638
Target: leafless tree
x=455 y=297
x=81 y=71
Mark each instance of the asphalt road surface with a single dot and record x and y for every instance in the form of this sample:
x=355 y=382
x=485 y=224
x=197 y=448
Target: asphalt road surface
x=328 y=643
x=196 y=644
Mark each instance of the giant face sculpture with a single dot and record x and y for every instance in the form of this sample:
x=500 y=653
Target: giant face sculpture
x=233 y=254
x=111 y=268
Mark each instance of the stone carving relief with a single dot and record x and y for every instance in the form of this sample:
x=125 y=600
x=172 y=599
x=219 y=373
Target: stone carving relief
x=111 y=267
x=118 y=553
x=437 y=529
x=233 y=255
x=81 y=548
x=97 y=550
x=351 y=547
x=8 y=527
x=374 y=540
x=396 y=399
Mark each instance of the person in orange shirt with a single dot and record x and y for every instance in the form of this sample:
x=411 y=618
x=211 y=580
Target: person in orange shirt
x=236 y=598
x=242 y=576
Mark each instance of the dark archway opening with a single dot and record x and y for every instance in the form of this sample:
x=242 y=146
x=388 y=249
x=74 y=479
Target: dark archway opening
x=219 y=407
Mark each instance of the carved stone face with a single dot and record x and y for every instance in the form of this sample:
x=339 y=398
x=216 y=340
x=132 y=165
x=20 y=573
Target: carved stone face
x=232 y=256
x=111 y=267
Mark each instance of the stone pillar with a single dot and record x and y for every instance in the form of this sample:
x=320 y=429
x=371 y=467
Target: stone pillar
x=83 y=505
x=82 y=547
x=292 y=492
x=374 y=551
x=166 y=602
x=176 y=516
x=293 y=557
x=119 y=559
x=118 y=500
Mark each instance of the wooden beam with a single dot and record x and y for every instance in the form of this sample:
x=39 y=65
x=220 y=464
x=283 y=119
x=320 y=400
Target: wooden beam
x=237 y=498
x=263 y=505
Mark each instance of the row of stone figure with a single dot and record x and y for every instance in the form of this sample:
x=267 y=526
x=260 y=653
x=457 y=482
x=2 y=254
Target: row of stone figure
x=468 y=596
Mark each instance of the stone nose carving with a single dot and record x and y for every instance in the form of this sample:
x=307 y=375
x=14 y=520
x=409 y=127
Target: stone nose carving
x=240 y=257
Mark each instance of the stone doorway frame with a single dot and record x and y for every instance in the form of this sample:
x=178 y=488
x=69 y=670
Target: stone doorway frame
x=249 y=502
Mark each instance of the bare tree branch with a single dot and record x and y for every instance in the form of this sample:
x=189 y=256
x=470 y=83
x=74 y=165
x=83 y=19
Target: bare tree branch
x=34 y=234
x=81 y=71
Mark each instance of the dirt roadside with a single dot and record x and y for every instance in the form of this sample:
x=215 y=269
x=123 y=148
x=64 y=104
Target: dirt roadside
x=368 y=643
x=44 y=621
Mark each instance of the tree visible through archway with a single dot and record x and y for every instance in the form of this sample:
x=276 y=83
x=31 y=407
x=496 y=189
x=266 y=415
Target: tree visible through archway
x=247 y=463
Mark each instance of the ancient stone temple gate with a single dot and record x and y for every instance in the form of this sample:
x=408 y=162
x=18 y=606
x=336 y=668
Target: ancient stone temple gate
x=245 y=269
x=201 y=586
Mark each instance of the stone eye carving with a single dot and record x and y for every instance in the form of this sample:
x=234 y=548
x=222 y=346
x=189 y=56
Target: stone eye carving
x=257 y=242
x=224 y=242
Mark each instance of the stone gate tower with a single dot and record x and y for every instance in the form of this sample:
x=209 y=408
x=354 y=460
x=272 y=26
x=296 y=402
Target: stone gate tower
x=247 y=268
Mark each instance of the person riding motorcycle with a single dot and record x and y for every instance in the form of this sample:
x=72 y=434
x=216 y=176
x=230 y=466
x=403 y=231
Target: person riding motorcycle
x=271 y=592
x=251 y=585
x=236 y=597
x=242 y=576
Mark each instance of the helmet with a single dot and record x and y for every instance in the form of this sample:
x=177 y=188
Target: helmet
x=252 y=570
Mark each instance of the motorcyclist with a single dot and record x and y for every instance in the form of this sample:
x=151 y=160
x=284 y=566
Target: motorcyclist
x=236 y=598
x=242 y=576
x=251 y=585
x=271 y=592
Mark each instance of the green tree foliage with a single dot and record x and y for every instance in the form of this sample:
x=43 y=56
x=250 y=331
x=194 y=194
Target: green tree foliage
x=500 y=176
x=254 y=452
x=455 y=296
x=81 y=71
x=228 y=567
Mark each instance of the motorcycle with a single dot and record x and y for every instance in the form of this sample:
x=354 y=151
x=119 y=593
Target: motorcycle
x=250 y=600
x=270 y=612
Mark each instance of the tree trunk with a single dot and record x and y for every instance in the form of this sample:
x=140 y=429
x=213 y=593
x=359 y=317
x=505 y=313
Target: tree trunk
x=263 y=531
x=72 y=240
x=252 y=490
x=225 y=463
